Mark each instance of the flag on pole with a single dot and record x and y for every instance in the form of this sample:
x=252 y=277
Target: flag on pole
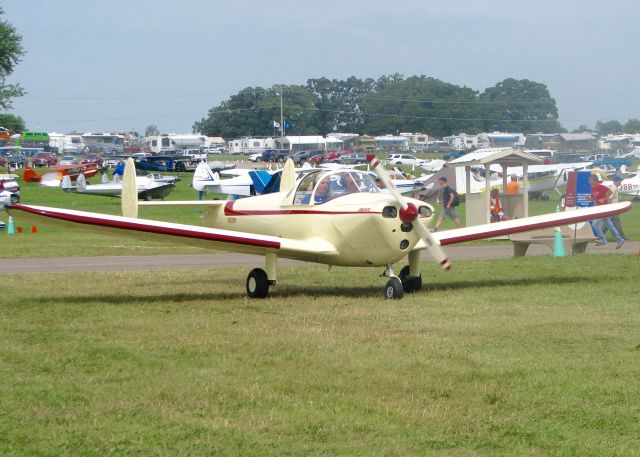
x=276 y=124
x=287 y=125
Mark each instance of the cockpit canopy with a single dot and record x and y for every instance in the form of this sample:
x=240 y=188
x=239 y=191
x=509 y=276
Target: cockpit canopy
x=319 y=186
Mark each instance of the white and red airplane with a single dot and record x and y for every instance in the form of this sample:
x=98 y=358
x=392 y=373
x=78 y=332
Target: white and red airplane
x=629 y=185
x=334 y=217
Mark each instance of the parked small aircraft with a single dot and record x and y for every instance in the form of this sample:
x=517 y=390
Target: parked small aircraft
x=53 y=178
x=150 y=186
x=335 y=217
x=628 y=186
x=245 y=182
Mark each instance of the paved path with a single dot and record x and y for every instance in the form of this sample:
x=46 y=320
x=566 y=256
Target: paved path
x=222 y=260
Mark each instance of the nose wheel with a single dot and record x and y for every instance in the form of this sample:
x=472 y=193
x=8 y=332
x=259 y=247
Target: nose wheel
x=393 y=290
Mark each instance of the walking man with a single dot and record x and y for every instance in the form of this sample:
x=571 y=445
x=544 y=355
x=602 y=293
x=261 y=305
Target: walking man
x=446 y=196
x=617 y=180
x=601 y=195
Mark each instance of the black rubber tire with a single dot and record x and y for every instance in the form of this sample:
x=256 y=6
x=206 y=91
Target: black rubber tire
x=410 y=284
x=393 y=290
x=257 y=283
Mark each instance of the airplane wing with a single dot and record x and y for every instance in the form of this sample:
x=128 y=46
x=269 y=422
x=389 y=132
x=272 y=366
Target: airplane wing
x=542 y=168
x=478 y=232
x=180 y=234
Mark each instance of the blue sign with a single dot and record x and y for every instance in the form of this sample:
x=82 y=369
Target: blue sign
x=583 y=189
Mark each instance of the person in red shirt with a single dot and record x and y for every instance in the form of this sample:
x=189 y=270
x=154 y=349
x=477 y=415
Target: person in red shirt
x=601 y=195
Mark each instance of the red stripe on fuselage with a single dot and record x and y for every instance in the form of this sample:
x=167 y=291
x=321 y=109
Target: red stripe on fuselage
x=147 y=228
x=229 y=210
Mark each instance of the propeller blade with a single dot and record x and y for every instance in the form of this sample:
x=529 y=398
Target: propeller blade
x=433 y=244
x=434 y=248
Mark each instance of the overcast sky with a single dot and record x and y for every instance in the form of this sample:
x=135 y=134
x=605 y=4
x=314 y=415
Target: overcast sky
x=125 y=64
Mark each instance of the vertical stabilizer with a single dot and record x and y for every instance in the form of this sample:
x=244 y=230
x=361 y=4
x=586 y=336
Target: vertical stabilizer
x=81 y=183
x=129 y=190
x=66 y=183
x=288 y=179
x=203 y=177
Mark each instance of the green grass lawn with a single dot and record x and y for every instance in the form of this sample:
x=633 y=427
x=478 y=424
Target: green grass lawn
x=526 y=356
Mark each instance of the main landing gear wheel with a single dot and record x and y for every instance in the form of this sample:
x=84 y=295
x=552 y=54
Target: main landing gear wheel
x=257 y=283
x=410 y=284
x=393 y=290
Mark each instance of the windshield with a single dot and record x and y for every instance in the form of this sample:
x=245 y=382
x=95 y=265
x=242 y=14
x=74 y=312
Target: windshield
x=317 y=188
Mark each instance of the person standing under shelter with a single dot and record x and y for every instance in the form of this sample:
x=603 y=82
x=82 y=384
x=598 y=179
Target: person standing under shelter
x=601 y=195
x=446 y=196
x=513 y=186
x=617 y=223
x=495 y=208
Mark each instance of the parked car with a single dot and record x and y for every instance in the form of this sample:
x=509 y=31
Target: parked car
x=404 y=159
x=113 y=162
x=68 y=160
x=16 y=161
x=92 y=159
x=43 y=159
x=275 y=155
x=257 y=157
x=317 y=159
x=281 y=156
x=352 y=159
x=301 y=157
x=9 y=191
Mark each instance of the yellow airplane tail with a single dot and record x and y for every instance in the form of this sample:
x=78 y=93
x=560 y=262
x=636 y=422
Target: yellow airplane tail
x=129 y=190
x=288 y=178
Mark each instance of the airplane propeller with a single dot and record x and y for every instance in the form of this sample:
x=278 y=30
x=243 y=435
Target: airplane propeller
x=409 y=213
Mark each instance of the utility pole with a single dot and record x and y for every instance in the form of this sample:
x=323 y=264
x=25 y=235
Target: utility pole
x=281 y=119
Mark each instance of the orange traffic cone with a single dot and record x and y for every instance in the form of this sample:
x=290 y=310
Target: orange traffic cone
x=34 y=229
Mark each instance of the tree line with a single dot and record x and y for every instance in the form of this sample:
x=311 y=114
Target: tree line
x=389 y=104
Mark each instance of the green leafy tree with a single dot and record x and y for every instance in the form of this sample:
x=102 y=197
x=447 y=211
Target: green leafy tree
x=609 y=127
x=421 y=104
x=254 y=109
x=11 y=53
x=338 y=103
x=151 y=130
x=15 y=124
x=519 y=106
x=632 y=126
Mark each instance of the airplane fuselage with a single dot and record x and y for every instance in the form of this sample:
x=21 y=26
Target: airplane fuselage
x=357 y=225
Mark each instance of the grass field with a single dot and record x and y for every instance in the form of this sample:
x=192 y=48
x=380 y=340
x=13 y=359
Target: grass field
x=54 y=242
x=526 y=356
